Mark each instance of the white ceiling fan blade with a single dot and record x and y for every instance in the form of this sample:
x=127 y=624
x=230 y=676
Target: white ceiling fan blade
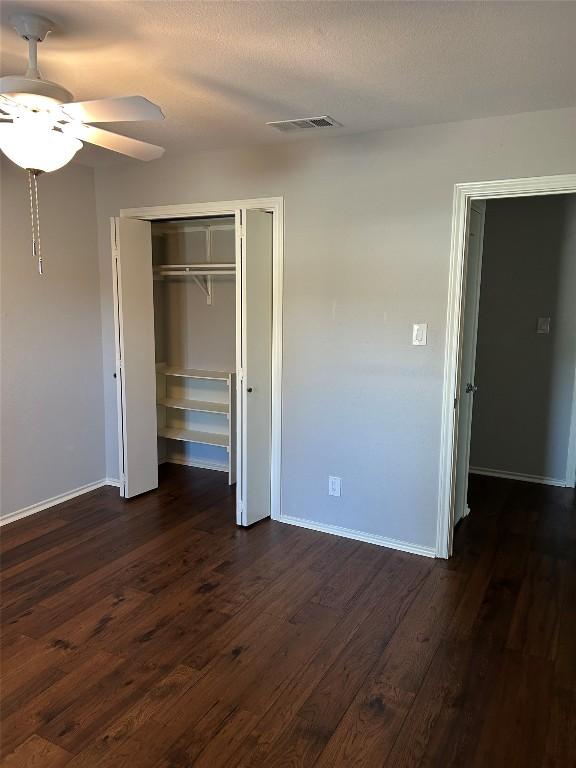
x=140 y=150
x=118 y=109
x=9 y=105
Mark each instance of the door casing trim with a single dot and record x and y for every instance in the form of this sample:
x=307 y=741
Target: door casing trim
x=463 y=196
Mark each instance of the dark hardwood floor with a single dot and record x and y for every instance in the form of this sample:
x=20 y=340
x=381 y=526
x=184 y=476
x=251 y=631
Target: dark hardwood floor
x=154 y=633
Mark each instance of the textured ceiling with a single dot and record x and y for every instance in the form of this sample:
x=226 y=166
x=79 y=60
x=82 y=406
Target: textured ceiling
x=220 y=70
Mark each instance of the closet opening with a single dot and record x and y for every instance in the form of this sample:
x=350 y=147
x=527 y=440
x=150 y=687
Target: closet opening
x=194 y=270
x=198 y=334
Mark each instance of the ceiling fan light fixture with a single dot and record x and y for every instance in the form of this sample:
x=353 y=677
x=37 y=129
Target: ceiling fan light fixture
x=37 y=148
x=42 y=128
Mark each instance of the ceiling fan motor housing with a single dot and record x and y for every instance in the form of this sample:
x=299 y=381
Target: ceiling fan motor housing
x=33 y=28
x=18 y=85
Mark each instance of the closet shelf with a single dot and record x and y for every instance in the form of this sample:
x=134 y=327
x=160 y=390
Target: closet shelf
x=194 y=436
x=194 y=405
x=179 y=227
x=192 y=373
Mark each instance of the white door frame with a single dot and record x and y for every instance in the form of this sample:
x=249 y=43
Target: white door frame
x=463 y=195
x=274 y=205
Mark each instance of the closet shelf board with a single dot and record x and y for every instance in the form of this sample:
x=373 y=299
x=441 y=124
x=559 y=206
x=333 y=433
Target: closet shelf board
x=194 y=405
x=191 y=373
x=194 y=436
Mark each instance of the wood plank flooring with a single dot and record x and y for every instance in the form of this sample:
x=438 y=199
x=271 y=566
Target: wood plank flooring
x=154 y=633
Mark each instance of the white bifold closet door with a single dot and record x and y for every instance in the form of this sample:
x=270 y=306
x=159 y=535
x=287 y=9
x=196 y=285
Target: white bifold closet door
x=135 y=355
x=254 y=313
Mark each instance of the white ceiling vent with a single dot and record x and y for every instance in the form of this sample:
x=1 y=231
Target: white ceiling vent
x=304 y=123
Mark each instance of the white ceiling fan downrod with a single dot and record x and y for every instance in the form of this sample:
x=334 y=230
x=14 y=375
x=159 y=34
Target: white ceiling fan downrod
x=33 y=72
x=35 y=217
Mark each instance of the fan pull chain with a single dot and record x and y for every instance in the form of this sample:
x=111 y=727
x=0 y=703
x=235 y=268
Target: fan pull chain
x=35 y=217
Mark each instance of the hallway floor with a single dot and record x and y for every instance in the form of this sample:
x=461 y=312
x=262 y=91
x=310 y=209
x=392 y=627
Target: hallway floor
x=154 y=633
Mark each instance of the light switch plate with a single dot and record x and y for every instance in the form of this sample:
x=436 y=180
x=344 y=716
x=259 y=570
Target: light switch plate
x=419 y=334
x=543 y=325
x=334 y=486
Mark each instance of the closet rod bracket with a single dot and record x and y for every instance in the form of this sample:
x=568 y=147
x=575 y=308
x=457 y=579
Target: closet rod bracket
x=205 y=287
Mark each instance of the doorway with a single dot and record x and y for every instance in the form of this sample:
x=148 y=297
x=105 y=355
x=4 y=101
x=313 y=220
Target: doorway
x=464 y=302
x=208 y=296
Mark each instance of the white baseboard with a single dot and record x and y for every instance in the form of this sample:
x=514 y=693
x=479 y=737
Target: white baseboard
x=62 y=497
x=198 y=464
x=517 y=476
x=369 y=538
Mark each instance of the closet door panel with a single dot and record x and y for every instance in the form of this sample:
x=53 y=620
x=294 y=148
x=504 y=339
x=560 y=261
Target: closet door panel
x=256 y=353
x=136 y=370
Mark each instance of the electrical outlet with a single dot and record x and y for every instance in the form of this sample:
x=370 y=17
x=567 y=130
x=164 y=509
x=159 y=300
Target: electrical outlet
x=334 y=486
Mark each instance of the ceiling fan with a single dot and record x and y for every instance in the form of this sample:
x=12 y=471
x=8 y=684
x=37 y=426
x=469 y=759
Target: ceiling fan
x=42 y=128
x=40 y=122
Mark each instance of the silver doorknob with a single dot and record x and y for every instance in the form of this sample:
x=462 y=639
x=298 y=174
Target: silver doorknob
x=471 y=388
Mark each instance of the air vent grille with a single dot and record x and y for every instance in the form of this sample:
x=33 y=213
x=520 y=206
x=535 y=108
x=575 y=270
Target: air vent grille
x=305 y=123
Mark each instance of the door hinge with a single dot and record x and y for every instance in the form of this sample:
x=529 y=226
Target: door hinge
x=455 y=402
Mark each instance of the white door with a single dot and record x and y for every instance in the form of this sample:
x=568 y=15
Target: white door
x=135 y=355
x=466 y=385
x=254 y=292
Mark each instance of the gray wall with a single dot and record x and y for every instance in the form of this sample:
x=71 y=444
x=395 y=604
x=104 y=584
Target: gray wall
x=367 y=242
x=189 y=331
x=523 y=407
x=52 y=403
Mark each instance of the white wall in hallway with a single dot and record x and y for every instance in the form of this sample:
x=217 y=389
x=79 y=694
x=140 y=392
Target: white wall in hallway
x=523 y=407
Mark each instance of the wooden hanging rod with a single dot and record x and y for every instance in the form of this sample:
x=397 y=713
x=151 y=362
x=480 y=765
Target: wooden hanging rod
x=206 y=268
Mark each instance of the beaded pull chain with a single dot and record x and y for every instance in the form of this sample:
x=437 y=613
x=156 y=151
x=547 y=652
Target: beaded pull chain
x=35 y=217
